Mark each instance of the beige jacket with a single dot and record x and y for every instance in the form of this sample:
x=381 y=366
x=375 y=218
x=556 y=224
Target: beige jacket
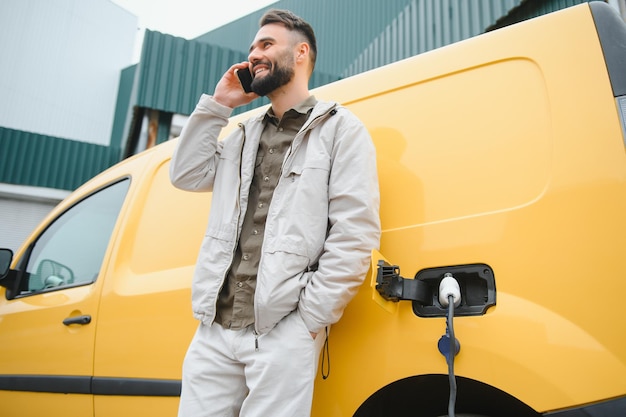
x=322 y=222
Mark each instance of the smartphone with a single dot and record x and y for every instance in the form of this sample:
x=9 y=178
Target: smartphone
x=245 y=78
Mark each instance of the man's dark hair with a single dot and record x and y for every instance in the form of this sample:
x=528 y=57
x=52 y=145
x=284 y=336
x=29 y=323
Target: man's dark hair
x=293 y=23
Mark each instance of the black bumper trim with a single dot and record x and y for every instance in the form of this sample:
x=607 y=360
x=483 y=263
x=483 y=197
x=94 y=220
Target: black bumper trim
x=611 y=408
x=91 y=385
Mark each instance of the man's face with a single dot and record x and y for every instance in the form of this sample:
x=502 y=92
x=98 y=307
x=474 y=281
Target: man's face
x=272 y=58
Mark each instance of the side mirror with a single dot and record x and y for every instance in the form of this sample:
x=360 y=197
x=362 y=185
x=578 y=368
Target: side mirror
x=6 y=256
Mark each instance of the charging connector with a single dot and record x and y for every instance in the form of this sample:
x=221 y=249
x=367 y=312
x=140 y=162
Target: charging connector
x=450 y=297
x=449 y=287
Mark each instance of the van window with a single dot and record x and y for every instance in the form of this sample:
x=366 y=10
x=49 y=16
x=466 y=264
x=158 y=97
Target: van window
x=70 y=251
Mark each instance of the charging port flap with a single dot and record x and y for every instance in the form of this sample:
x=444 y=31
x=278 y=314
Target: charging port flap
x=379 y=263
x=477 y=284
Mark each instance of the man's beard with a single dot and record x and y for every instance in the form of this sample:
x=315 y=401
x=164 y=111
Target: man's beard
x=279 y=74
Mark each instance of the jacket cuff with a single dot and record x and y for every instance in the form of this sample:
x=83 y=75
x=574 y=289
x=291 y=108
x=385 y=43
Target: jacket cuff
x=208 y=104
x=311 y=325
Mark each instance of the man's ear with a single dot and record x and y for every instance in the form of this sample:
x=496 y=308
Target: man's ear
x=302 y=51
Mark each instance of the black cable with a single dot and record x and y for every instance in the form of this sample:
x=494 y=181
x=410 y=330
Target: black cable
x=325 y=357
x=452 y=354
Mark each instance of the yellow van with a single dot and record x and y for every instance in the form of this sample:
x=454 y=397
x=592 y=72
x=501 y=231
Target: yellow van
x=502 y=163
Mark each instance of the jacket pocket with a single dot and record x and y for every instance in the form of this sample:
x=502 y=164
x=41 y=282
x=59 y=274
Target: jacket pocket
x=302 y=206
x=221 y=231
x=279 y=285
x=299 y=168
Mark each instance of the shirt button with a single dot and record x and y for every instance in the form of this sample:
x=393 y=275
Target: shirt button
x=240 y=284
x=260 y=205
x=255 y=232
x=245 y=258
x=280 y=129
x=266 y=178
x=271 y=150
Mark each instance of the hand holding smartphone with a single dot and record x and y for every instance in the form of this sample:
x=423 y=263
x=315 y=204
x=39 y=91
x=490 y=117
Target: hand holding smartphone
x=245 y=78
x=228 y=93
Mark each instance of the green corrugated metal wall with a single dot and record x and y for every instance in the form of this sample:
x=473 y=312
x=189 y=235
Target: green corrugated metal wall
x=173 y=71
x=424 y=25
x=353 y=36
x=45 y=161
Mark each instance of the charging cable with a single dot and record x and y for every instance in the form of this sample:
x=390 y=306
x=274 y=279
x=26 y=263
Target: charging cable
x=450 y=297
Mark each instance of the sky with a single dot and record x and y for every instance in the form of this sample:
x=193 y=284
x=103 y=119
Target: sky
x=186 y=18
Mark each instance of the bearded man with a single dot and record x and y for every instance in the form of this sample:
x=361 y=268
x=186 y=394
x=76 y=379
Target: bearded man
x=293 y=220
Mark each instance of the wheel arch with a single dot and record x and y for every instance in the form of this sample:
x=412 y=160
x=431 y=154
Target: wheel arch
x=428 y=396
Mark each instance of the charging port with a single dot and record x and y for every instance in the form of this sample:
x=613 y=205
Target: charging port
x=476 y=281
x=477 y=284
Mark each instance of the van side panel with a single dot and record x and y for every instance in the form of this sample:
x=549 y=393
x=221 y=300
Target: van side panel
x=506 y=150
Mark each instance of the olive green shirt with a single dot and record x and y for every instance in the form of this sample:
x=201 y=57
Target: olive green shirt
x=235 y=304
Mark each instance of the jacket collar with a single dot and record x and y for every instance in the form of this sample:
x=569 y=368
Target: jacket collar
x=321 y=108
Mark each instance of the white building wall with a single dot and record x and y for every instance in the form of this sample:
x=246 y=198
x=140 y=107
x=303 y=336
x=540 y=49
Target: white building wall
x=22 y=208
x=60 y=64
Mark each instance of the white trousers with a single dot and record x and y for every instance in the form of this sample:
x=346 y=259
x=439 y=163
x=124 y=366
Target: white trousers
x=232 y=373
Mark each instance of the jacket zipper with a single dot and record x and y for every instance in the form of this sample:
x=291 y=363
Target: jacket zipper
x=243 y=129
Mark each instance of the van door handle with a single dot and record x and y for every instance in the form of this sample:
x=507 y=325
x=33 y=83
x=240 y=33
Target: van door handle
x=77 y=320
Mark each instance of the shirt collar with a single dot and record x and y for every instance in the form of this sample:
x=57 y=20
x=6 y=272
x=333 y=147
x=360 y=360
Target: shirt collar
x=304 y=107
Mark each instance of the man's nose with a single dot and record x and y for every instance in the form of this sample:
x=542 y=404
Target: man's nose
x=253 y=56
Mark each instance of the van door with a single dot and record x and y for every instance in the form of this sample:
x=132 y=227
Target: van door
x=145 y=321
x=48 y=321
